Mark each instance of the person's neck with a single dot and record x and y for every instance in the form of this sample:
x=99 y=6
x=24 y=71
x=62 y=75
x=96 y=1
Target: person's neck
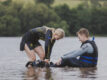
x=85 y=39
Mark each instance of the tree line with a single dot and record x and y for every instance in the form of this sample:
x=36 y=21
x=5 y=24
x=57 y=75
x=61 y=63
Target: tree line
x=18 y=16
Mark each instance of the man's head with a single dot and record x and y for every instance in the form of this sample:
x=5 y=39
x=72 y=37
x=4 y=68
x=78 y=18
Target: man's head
x=59 y=33
x=83 y=34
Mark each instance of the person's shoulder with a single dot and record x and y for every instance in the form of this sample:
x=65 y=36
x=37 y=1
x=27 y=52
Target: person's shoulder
x=87 y=45
x=45 y=27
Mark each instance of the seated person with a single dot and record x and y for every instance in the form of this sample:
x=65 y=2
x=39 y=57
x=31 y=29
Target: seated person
x=85 y=56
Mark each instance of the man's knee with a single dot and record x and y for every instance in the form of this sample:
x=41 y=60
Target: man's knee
x=33 y=58
x=64 y=62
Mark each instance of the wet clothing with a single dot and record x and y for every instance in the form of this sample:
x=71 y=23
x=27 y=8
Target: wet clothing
x=48 y=44
x=32 y=37
x=90 y=59
x=85 y=56
x=33 y=45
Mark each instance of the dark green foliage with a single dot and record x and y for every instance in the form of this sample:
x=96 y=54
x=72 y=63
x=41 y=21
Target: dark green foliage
x=6 y=3
x=17 y=17
x=9 y=26
x=92 y=18
x=47 y=2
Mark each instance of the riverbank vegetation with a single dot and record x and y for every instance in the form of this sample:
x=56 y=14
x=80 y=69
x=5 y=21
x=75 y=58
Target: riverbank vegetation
x=18 y=16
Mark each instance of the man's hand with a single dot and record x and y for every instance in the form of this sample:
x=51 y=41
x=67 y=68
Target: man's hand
x=58 y=62
x=47 y=61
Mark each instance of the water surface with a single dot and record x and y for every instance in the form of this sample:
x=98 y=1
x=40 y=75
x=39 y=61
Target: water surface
x=12 y=62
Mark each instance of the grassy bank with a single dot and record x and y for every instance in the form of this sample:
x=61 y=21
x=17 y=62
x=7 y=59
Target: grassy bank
x=73 y=3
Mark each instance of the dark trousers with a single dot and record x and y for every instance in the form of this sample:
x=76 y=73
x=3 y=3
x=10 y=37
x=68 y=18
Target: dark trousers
x=72 y=62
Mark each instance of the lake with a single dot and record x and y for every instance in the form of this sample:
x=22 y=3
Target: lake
x=12 y=61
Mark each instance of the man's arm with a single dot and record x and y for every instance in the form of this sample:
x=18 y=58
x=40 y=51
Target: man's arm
x=85 y=48
x=48 y=44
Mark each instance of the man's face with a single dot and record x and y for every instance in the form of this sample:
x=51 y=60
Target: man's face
x=81 y=37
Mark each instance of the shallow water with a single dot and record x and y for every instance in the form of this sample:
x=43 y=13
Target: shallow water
x=12 y=62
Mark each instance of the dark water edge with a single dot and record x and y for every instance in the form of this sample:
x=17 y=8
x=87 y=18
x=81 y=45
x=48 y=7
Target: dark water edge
x=12 y=62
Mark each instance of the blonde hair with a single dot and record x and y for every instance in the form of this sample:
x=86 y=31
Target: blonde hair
x=83 y=31
x=60 y=32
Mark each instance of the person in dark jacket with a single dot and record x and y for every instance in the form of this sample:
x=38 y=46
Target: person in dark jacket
x=85 y=56
x=31 y=45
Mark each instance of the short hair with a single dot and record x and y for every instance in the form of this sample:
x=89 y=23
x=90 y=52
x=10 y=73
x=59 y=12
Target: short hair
x=61 y=32
x=83 y=31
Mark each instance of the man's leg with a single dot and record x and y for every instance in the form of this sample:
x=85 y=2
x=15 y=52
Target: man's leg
x=39 y=50
x=30 y=53
x=73 y=62
x=60 y=63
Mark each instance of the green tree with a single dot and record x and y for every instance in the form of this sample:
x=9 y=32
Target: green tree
x=2 y=10
x=9 y=26
x=65 y=13
x=47 y=2
x=98 y=22
x=6 y=2
x=61 y=24
x=95 y=3
x=37 y=15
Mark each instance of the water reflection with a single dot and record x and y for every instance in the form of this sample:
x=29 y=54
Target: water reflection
x=38 y=74
x=88 y=72
x=10 y=53
x=47 y=74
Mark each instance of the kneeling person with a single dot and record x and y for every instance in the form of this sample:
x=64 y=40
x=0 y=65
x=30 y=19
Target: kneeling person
x=31 y=45
x=85 y=56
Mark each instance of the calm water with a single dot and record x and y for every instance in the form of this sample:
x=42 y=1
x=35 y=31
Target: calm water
x=12 y=62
